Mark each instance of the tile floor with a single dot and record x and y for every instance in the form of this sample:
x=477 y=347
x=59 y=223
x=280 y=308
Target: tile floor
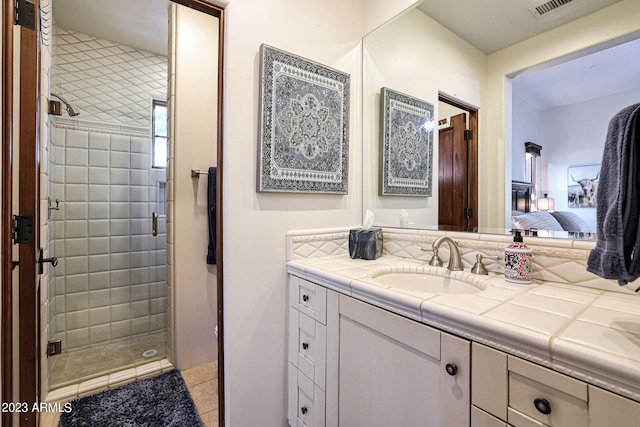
x=202 y=382
x=83 y=365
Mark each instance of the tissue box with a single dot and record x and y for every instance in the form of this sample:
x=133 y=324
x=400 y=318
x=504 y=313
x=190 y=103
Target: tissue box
x=365 y=244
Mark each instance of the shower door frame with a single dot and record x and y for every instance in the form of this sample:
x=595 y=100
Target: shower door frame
x=29 y=313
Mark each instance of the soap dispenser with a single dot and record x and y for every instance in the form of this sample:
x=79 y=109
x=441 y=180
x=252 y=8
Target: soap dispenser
x=518 y=262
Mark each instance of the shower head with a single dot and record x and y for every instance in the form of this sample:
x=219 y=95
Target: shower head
x=71 y=110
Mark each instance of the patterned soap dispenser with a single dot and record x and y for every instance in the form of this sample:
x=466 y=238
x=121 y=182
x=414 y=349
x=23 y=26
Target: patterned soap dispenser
x=518 y=262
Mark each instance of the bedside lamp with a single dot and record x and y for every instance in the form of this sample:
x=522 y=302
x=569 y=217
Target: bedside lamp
x=546 y=203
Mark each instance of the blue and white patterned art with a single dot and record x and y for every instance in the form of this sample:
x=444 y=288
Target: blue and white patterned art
x=407 y=145
x=304 y=128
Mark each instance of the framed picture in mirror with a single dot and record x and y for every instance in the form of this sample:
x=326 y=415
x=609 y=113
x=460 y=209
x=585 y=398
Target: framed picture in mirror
x=304 y=125
x=407 y=145
x=582 y=185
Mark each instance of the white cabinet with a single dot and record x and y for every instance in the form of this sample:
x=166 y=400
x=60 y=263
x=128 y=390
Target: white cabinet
x=507 y=389
x=393 y=371
x=353 y=364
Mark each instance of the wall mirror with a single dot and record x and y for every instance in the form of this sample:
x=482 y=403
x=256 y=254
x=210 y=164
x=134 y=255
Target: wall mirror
x=523 y=91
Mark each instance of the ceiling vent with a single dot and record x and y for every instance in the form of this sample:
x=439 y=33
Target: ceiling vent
x=547 y=7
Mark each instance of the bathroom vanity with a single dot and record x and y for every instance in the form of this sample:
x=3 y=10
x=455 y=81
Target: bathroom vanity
x=365 y=352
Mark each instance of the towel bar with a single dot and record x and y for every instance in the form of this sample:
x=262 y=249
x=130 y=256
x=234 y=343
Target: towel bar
x=195 y=173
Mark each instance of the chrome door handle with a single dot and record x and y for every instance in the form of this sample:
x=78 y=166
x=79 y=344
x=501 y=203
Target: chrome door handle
x=154 y=224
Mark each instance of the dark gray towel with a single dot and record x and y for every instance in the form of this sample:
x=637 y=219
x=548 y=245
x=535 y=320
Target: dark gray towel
x=211 y=205
x=618 y=204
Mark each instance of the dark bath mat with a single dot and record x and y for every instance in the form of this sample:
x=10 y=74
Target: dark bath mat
x=160 y=401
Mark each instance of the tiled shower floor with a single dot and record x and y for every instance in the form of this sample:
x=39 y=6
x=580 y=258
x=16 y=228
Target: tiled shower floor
x=82 y=365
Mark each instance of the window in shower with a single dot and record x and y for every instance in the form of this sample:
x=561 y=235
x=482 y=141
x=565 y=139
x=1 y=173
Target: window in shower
x=159 y=134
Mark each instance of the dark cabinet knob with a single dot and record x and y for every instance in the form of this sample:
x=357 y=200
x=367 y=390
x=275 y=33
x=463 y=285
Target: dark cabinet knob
x=303 y=410
x=305 y=298
x=305 y=345
x=451 y=368
x=542 y=405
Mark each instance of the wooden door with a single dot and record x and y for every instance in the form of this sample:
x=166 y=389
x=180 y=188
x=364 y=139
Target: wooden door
x=453 y=191
x=20 y=164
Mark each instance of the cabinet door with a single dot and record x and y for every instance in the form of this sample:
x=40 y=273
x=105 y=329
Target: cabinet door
x=392 y=372
x=480 y=418
x=607 y=409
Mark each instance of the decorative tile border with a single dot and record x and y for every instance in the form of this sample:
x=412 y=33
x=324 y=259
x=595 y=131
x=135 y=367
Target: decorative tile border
x=556 y=260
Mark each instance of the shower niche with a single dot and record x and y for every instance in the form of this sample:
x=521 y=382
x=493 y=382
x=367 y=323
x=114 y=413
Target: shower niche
x=108 y=294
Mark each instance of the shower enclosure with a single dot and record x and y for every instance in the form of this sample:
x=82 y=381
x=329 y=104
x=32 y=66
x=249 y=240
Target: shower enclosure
x=108 y=294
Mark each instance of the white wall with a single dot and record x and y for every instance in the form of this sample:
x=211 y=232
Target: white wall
x=193 y=131
x=575 y=135
x=525 y=127
x=255 y=280
x=618 y=20
x=419 y=57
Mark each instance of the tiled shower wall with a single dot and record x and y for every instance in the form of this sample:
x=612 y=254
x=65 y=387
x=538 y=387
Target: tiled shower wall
x=111 y=280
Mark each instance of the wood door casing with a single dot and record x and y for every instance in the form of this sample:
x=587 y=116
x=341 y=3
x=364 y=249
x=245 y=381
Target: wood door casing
x=452 y=175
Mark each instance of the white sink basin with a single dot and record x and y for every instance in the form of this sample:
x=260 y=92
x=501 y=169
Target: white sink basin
x=424 y=282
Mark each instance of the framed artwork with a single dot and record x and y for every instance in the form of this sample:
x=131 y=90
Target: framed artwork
x=582 y=185
x=304 y=125
x=407 y=145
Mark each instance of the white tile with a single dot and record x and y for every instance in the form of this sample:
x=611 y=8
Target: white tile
x=98 y=245
x=140 y=226
x=77 y=319
x=76 y=302
x=99 y=158
x=140 y=292
x=140 y=145
x=140 y=325
x=139 y=308
x=99 y=263
x=139 y=276
x=76 y=265
x=99 y=315
x=93 y=386
x=99 y=298
x=120 y=312
x=119 y=227
x=98 y=210
x=120 y=143
x=76 y=156
x=120 y=175
x=120 y=278
x=75 y=210
x=76 y=247
x=77 y=138
x=99 y=141
x=76 y=283
x=139 y=177
x=99 y=333
x=120 y=159
x=140 y=161
x=75 y=174
x=98 y=228
x=121 y=329
x=120 y=261
x=99 y=280
x=139 y=193
x=119 y=210
x=535 y=320
x=119 y=193
x=119 y=244
x=75 y=229
x=98 y=175
x=140 y=210
x=98 y=193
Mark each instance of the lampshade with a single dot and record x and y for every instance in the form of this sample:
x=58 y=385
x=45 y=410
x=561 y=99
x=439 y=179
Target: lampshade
x=546 y=203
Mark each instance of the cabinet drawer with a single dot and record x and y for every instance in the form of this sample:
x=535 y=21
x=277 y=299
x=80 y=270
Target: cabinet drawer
x=608 y=409
x=308 y=298
x=308 y=346
x=479 y=418
x=306 y=401
x=545 y=396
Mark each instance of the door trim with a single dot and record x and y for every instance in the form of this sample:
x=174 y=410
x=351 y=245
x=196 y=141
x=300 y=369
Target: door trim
x=6 y=345
x=217 y=11
x=28 y=200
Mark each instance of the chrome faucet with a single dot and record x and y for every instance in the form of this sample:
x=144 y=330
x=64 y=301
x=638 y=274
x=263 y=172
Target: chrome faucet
x=455 y=260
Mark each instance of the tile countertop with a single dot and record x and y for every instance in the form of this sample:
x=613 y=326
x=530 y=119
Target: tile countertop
x=589 y=334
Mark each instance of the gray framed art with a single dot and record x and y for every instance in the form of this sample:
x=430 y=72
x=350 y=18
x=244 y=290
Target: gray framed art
x=304 y=125
x=407 y=145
